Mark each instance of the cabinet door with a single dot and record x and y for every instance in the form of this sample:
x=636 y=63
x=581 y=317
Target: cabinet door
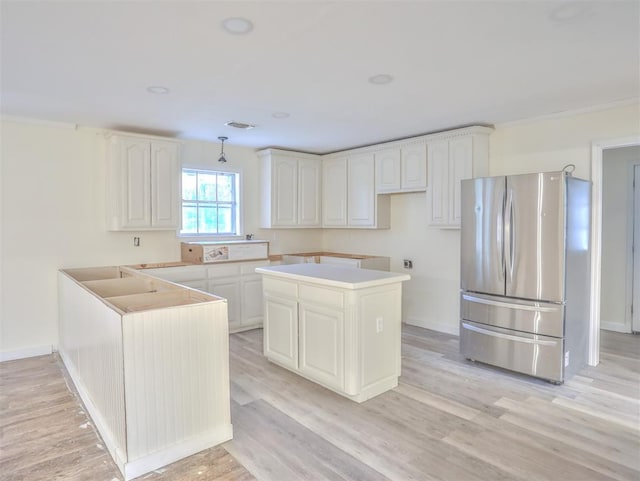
x=460 y=167
x=251 y=297
x=136 y=193
x=229 y=288
x=201 y=285
x=321 y=354
x=309 y=192
x=281 y=330
x=284 y=203
x=361 y=190
x=388 y=170
x=414 y=167
x=438 y=189
x=165 y=183
x=334 y=192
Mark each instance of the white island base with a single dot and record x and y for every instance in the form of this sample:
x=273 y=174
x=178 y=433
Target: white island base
x=337 y=326
x=150 y=360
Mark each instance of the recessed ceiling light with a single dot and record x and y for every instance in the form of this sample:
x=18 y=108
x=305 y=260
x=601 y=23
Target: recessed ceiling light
x=239 y=125
x=280 y=115
x=156 y=89
x=568 y=11
x=381 y=79
x=237 y=25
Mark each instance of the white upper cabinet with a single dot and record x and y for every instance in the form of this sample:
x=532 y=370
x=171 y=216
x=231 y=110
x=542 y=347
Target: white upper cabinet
x=402 y=169
x=361 y=192
x=291 y=185
x=413 y=168
x=449 y=161
x=388 y=170
x=349 y=194
x=334 y=193
x=143 y=181
x=309 y=192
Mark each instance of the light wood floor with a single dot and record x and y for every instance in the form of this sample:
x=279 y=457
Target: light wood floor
x=448 y=419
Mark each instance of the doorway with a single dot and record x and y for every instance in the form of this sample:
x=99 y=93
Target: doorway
x=617 y=261
x=597 y=155
x=635 y=306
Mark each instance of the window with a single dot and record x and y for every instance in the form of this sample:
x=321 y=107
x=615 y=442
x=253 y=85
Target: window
x=209 y=202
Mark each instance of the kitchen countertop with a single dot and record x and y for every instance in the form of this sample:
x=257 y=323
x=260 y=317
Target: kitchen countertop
x=334 y=276
x=330 y=254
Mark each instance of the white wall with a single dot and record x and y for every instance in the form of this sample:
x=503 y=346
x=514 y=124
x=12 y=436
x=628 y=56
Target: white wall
x=617 y=236
x=53 y=216
x=430 y=298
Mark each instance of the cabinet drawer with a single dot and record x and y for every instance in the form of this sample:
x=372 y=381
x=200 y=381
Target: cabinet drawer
x=178 y=274
x=249 y=268
x=278 y=287
x=223 y=270
x=321 y=295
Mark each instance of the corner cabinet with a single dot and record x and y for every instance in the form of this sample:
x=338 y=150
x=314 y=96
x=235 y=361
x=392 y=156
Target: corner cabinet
x=451 y=159
x=237 y=282
x=143 y=182
x=290 y=190
x=349 y=196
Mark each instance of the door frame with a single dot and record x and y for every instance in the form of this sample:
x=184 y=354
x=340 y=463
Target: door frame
x=597 y=154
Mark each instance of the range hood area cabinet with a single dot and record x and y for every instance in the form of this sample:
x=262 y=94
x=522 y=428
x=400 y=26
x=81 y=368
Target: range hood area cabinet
x=349 y=196
x=143 y=181
x=402 y=169
x=450 y=160
x=291 y=188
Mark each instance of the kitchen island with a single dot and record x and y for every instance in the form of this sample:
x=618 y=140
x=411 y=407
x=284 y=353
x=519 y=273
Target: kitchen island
x=150 y=360
x=337 y=326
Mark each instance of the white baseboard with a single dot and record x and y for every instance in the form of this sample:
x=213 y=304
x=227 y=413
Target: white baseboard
x=24 y=353
x=435 y=326
x=174 y=453
x=614 y=326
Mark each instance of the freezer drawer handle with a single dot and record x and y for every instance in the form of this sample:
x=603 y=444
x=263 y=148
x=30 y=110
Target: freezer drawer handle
x=508 y=336
x=509 y=305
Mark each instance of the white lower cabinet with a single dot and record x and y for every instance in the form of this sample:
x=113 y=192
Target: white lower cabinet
x=347 y=340
x=281 y=339
x=251 y=295
x=321 y=344
x=229 y=288
x=237 y=282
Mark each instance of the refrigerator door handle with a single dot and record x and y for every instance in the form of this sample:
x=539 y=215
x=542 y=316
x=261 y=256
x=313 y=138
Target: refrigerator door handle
x=500 y=233
x=511 y=305
x=509 y=235
x=509 y=337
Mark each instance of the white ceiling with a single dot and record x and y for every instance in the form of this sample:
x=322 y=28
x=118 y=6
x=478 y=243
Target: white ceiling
x=454 y=63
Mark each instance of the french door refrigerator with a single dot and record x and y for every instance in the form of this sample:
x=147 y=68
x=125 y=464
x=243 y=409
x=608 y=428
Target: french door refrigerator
x=525 y=273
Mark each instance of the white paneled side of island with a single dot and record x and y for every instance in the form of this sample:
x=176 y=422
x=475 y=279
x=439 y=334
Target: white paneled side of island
x=150 y=360
x=335 y=325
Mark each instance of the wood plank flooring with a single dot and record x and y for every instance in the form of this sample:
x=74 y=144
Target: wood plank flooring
x=449 y=419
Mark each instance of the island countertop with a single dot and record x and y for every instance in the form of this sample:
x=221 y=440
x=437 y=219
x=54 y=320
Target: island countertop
x=335 y=276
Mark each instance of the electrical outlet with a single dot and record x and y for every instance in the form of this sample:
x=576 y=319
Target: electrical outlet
x=136 y=241
x=379 y=324
x=408 y=264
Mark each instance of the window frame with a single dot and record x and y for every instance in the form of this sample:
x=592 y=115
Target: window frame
x=238 y=204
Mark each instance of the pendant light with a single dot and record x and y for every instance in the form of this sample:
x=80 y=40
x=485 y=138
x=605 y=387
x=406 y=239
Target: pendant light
x=222 y=157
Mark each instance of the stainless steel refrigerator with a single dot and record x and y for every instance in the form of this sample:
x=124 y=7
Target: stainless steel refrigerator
x=525 y=273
